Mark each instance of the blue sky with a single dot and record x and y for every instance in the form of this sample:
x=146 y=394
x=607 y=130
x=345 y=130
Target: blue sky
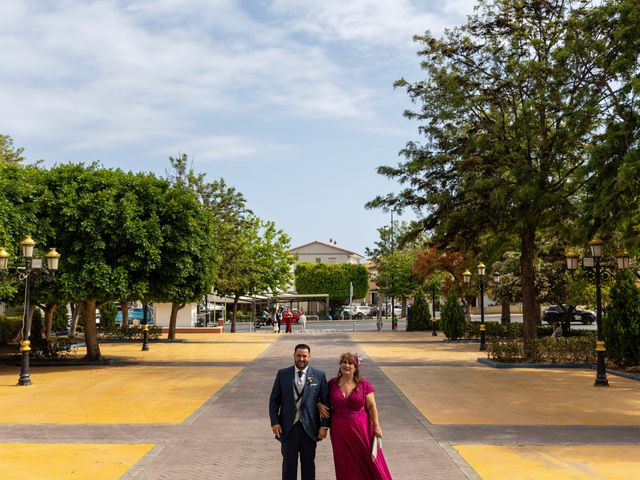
x=291 y=101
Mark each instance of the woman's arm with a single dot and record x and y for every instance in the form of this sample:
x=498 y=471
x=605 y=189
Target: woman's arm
x=372 y=410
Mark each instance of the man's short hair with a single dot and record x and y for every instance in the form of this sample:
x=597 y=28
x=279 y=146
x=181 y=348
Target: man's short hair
x=302 y=346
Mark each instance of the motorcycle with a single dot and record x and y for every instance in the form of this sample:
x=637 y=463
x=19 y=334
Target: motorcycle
x=263 y=321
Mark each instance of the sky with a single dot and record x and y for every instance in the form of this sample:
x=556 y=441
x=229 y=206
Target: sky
x=290 y=101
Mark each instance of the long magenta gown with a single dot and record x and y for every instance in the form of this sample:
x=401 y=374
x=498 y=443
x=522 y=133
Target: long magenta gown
x=352 y=435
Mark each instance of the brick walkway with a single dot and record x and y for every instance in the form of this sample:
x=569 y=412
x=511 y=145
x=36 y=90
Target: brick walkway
x=229 y=437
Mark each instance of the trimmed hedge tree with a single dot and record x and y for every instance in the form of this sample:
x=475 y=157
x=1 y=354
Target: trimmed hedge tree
x=453 y=321
x=419 y=314
x=332 y=279
x=622 y=323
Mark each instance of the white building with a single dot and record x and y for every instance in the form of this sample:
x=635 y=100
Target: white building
x=324 y=252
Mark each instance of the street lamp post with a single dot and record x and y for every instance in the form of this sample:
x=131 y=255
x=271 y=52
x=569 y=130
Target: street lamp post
x=145 y=328
x=595 y=262
x=467 y=278
x=31 y=265
x=434 y=332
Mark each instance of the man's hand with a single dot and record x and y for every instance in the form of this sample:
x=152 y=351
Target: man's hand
x=323 y=410
x=322 y=433
x=277 y=430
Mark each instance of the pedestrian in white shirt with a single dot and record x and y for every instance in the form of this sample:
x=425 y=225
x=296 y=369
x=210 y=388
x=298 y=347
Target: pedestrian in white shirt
x=303 y=321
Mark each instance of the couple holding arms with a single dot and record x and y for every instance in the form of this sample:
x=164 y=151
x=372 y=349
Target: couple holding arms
x=303 y=405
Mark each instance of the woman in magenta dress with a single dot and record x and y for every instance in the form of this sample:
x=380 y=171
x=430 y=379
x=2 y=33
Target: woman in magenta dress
x=354 y=423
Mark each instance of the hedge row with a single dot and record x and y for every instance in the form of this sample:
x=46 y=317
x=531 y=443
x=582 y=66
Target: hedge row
x=514 y=331
x=9 y=328
x=579 y=349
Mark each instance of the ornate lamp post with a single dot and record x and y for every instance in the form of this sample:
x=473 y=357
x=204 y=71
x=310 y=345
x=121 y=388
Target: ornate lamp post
x=467 y=278
x=595 y=262
x=434 y=332
x=31 y=265
x=145 y=328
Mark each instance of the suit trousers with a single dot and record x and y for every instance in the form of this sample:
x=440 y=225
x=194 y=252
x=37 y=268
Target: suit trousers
x=298 y=442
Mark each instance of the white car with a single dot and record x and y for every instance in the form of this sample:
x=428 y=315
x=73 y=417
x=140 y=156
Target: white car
x=355 y=311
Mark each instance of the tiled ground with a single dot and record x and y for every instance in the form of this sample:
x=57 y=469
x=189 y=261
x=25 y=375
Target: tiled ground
x=198 y=410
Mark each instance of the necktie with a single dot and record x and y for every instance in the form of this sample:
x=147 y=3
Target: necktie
x=299 y=388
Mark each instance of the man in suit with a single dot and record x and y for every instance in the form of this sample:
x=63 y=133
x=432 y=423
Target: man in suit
x=293 y=408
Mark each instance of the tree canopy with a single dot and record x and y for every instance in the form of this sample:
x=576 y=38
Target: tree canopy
x=512 y=107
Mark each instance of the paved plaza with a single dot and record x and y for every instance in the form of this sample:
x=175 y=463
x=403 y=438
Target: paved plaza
x=197 y=409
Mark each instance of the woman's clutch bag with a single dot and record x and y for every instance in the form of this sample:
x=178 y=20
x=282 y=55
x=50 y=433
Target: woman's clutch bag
x=375 y=446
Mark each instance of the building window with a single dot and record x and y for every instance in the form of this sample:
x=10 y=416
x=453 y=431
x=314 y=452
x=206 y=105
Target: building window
x=332 y=259
x=318 y=260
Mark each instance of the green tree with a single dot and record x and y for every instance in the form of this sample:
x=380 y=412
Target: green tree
x=108 y=313
x=419 y=315
x=510 y=105
x=332 y=279
x=19 y=185
x=8 y=153
x=622 y=322
x=452 y=316
x=188 y=259
x=611 y=35
x=262 y=264
x=79 y=211
x=396 y=277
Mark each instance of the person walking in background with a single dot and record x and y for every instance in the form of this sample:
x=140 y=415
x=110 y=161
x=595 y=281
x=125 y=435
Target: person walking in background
x=303 y=321
x=287 y=316
x=279 y=311
x=276 y=323
x=355 y=425
x=295 y=420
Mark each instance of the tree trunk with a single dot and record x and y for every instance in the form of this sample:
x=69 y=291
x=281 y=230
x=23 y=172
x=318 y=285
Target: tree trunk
x=529 y=305
x=75 y=311
x=253 y=311
x=91 y=331
x=124 y=308
x=505 y=315
x=32 y=308
x=49 y=312
x=175 y=308
x=236 y=299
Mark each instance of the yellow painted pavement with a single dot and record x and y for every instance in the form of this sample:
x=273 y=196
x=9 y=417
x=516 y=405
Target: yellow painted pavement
x=414 y=347
x=228 y=337
x=220 y=348
x=484 y=395
x=19 y=461
x=129 y=393
x=553 y=462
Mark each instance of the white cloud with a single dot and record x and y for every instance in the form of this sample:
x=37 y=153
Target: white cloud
x=204 y=150
x=109 y=74
x=375 y=23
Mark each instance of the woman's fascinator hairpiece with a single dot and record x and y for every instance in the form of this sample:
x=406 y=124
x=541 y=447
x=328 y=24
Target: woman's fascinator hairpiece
x=358 y=359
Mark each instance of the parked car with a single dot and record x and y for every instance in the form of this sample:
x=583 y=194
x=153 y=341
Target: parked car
x=136 y=314
x=555 y=313
x=296 y=314
x=355 y=311
x=386 y=310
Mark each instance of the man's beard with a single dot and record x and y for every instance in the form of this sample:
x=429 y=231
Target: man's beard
x=301 y=364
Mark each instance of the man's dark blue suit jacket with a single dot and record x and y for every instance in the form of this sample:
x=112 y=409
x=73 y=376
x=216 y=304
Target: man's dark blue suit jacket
x=282 y=403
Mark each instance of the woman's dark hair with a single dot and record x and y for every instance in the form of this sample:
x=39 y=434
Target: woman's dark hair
x=352 y=360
